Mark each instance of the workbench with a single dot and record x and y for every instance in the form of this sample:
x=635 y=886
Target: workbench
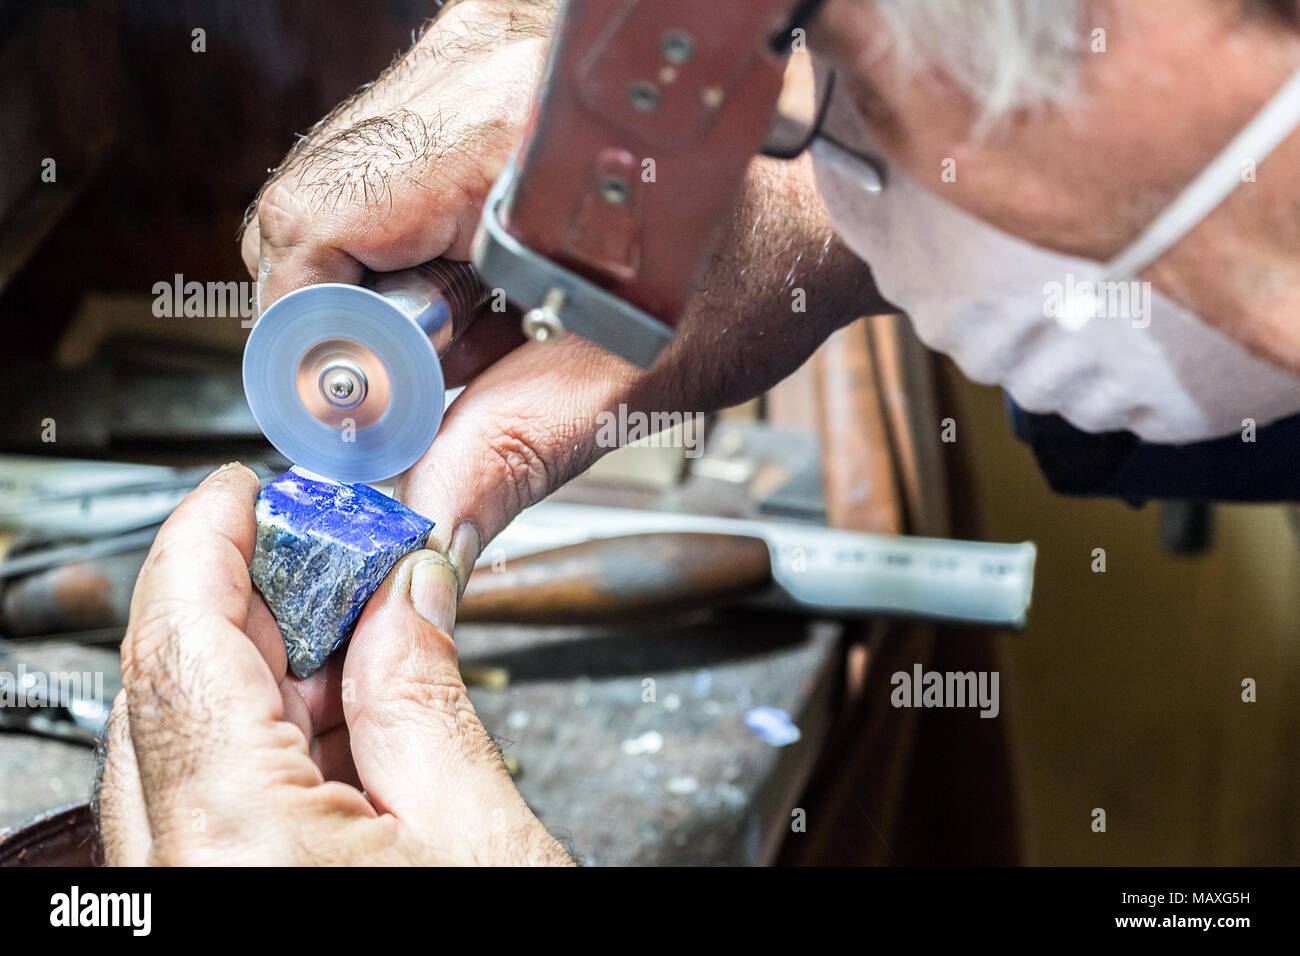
x=620 y=780
x=630 y=743
x=679 y=779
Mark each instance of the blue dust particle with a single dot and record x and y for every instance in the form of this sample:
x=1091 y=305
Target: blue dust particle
x=772 y=724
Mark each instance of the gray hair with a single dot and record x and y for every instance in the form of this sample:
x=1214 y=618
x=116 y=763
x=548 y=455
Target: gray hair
x=1005 y=54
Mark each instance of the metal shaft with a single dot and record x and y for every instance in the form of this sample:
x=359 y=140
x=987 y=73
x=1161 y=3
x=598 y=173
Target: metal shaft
x=442 y=297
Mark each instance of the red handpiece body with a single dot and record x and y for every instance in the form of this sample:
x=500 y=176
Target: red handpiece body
x=650 y=114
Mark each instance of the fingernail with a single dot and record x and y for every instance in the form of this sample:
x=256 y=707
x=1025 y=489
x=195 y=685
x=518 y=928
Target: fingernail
x=433 y=593
x=464 y=551
x=263 y=273
x=226 y=467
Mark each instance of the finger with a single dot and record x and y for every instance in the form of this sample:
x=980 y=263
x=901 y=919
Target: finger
x=200 y=555
x=490 y=338
x=295 y=249
x=332 y=752
x=264 y=632
x=295 y=710
x=119 y=800
x=323 y=694
x=420 y=749
x=205 y=710
x=522 y=428
x=314 y=705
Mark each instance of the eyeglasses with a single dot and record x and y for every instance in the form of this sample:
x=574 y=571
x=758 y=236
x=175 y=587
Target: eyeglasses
x=797 y=124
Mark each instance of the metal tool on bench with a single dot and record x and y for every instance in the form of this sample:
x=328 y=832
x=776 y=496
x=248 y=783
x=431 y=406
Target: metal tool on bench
x=73 y=498
x=578 y=561
x=49 y=705
x=577 y=564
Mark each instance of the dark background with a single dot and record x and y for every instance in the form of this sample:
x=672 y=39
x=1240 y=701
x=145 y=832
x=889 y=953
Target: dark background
x=159 y=149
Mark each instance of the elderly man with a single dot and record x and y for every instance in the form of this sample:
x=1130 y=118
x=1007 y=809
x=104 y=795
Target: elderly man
x=1085 y=201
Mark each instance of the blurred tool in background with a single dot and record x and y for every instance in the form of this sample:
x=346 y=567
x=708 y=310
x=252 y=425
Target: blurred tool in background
x=569 y=564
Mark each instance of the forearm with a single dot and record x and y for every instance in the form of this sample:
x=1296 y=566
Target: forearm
x=780 y=282
x=508 y=18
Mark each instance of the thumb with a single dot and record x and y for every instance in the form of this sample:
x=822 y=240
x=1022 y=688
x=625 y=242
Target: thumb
x=420 y=749
x=521 y=428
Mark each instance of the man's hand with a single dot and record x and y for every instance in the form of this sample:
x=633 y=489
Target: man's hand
x=394 y=176
x=398 y=176
x=216 y=755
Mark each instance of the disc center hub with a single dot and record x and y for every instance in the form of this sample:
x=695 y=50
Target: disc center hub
x=343 y=384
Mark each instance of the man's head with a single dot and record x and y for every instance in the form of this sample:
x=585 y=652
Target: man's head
x=1010 y=54
x=1073 y=123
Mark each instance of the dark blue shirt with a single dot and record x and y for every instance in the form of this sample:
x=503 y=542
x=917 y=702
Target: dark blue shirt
x=1121 y=465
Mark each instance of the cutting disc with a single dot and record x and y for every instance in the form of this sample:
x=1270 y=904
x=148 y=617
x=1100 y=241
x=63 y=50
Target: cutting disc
x=352 y=344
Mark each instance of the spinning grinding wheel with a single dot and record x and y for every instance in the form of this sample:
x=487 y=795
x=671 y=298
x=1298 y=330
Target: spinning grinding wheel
x=346 y=381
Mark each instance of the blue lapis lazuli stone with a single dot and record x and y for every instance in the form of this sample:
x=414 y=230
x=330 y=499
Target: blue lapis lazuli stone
x=322 y=549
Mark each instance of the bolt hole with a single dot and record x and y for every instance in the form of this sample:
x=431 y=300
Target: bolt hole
x=643 y=95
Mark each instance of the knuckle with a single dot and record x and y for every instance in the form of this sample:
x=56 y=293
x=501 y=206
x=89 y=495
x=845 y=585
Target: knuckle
x=152 y=629
x=281 y=215
x=517 y=455
x=249 y=251
x=440 y=702
x=444 y=697
x=355 y=171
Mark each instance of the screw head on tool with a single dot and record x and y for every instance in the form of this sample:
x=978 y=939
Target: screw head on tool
x=543 y=323
x=677 y=46
x=643 y=96
x=615 y=190
x=343 y=384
